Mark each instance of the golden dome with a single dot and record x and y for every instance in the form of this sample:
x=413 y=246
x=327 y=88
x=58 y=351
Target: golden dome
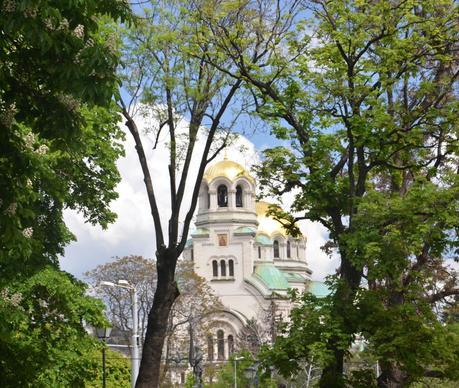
x=227 y=169
x=267 y=224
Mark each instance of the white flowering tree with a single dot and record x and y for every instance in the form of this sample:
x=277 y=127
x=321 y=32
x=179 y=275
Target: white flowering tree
x=58 y=146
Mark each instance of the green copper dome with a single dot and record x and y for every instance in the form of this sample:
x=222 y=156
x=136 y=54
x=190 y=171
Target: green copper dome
x=245 y=230
x=318 y=289
x=271 y=276
x=263 y=239
x=200 y=232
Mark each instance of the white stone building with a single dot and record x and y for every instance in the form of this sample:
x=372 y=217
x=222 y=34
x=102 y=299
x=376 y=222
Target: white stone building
x=246 y=256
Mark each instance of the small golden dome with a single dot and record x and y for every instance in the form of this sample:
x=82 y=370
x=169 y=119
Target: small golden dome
x=227 y=169
x=267 y=224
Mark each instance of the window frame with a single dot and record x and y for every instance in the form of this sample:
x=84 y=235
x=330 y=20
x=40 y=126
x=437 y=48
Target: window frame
x=230 y=340
x=239 y=196
x=215 y=268
x=231 y=268
x=220 y=345
x=223 y=268
x=276 y=249
x=225 y=202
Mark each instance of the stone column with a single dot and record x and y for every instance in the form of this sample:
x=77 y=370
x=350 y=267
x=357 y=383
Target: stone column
x=213 y=200
x=231 y=199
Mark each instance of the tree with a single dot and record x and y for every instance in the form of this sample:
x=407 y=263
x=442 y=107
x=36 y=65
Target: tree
x=259 y=331
x=117 y=370
x=364 y=91
x=405 y=250
x=244 y=360
x=43 y=342
x=189 y=321
x=58 y=145
x=168 y=83
x=139 y=272
x=58 y=137
x=187 y=324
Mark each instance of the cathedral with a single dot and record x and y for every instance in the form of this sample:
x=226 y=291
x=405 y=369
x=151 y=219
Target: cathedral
x=246 y=256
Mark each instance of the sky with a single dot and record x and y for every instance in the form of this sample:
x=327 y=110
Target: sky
x=133 y=231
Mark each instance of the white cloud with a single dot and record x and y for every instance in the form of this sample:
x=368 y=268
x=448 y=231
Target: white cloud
x=320 y=263
x=133 y=232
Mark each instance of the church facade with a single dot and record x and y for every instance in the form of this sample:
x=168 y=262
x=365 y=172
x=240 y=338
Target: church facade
x=246 y=256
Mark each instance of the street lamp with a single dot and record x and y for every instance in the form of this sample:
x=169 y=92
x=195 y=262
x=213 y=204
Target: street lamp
x=251 y=373
x=236 y=359
x=103 y=333
x=135 y=336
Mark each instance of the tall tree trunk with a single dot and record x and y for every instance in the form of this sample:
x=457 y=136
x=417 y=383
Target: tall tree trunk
x=391 y=376
x=165 y=368
x=165 y=295
x=332 y=374
x=343 y=305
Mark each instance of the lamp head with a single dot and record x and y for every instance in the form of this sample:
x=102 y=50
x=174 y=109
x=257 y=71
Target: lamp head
x=108 y=284
x=103 y=332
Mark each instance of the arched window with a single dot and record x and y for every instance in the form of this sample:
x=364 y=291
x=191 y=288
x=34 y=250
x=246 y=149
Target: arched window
x=239 y=202
x=230 y=345
x=192 y=254
x=259 y=252
x=208 y=200
x=210 y=348
x=276 y=248
x=215 y=268
x=297 y=251
x=222 y=194
x=231 y=268
x=289 y=253
x=220 y=345
x=222 y=268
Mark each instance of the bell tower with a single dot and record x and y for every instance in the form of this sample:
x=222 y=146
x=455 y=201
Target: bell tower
x=227 y=196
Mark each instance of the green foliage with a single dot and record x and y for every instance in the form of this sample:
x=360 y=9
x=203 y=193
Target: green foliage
x=190 y=380
x=435 y=383
x=303 y=338
x=54 y=58
x=391 y=231
x=58 y=135
x=364 y=92
x=42 y=176
x=43 y=342
x=225 y=376
x=117 y=370
x=362 y=378
x=59 y=142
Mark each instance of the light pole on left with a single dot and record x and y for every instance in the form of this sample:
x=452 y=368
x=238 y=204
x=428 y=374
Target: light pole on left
x=103 y=333
x=135 y=325
x=236 y=359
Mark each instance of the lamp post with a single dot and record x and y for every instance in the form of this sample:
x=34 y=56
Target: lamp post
x=251 y=373
x=236 y=359
x=103 y=333
x=135 y=336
